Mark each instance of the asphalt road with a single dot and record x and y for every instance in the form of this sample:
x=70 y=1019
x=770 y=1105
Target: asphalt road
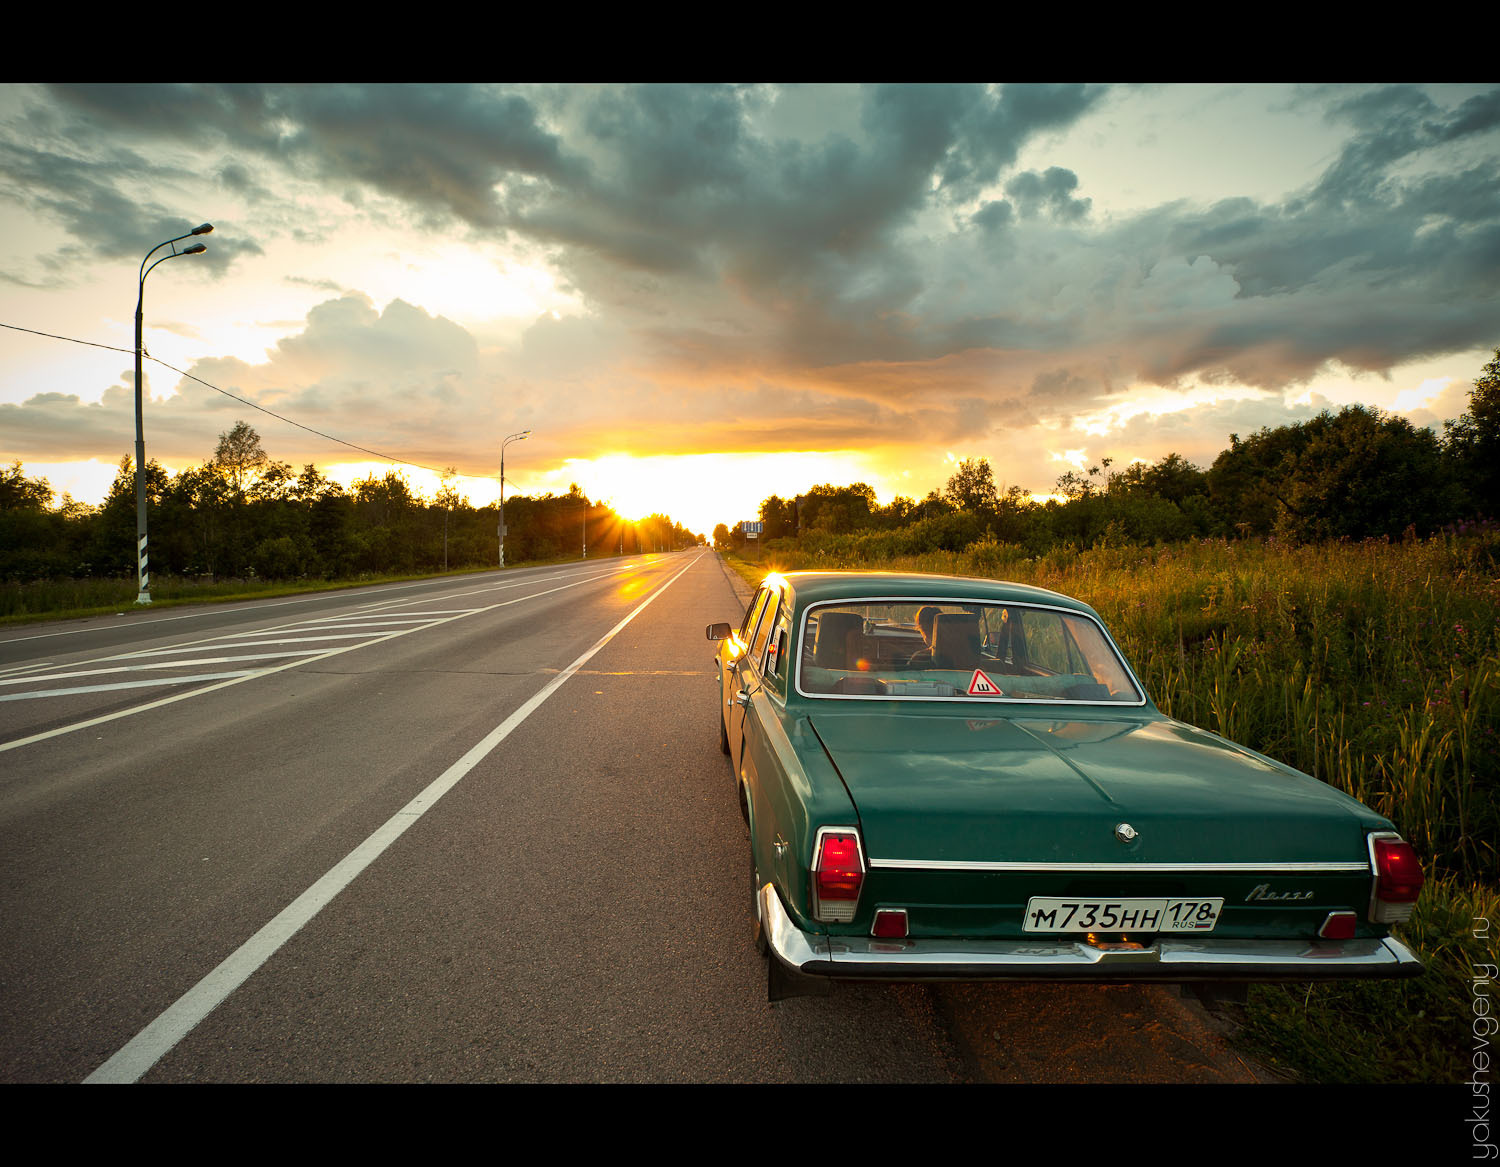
x=469 y=830
x=571 y=908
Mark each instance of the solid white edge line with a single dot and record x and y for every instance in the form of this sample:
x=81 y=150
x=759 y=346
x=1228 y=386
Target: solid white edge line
x=134 y=709
x=120 y=686
x=165 y=664
x=352 y=593
x=149 y=1046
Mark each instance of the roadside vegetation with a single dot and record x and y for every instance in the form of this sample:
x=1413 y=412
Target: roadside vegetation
x=1374 y=666
x=1289 y=600
x=243 y=524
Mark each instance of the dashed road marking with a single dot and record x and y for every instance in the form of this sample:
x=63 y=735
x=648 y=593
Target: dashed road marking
x=298 y=632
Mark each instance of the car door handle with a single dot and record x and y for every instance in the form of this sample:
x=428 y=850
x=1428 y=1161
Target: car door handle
x=741 y=698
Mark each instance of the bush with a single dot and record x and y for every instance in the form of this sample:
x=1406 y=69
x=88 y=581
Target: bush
x=284 y=557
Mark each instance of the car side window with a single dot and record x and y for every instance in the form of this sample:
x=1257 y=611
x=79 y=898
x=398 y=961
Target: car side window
x=1049 y=644
x=779 y=649
x=752 y=613
x=763 y=632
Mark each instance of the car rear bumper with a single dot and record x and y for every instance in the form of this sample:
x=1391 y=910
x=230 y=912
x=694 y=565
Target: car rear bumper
x=1169 y=959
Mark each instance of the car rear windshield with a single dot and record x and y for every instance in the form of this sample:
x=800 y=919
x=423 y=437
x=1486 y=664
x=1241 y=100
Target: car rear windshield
x=947 y=650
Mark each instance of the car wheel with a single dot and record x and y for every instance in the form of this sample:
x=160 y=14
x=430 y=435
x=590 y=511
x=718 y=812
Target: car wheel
x=760 y=931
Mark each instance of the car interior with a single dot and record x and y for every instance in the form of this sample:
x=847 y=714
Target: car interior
x=886 y=649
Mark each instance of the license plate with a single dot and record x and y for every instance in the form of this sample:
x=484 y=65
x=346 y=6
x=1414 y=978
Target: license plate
x=1053 y=914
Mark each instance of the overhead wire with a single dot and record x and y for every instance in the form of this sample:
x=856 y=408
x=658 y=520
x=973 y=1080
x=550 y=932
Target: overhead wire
x=226 y=393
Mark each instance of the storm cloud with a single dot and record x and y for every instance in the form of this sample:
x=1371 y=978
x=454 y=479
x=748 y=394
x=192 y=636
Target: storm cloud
x=830 y=267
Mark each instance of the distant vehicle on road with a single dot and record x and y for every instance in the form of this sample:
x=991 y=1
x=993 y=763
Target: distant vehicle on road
x=962 y=779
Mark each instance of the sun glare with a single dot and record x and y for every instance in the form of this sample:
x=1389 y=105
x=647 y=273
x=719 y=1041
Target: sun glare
x=469 y=286
x=702 y=490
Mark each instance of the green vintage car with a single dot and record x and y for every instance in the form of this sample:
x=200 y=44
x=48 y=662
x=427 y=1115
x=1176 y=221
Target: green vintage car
x=962 y=779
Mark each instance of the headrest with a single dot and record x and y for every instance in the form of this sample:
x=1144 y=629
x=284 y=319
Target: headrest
x=831 y=650
x=955 y=641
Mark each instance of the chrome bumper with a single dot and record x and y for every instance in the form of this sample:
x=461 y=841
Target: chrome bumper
x=1170 y=959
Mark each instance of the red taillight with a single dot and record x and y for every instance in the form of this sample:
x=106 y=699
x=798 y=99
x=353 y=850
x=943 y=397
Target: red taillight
x=838 y=872
x=1338 y=926
x=1398 y=879
x=890 y=924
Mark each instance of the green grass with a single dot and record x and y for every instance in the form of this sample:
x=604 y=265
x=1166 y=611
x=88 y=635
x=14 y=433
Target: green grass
x=1421 y=1030
x=1374 y=666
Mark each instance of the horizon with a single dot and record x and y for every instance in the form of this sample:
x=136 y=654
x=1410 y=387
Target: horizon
x=698 y=296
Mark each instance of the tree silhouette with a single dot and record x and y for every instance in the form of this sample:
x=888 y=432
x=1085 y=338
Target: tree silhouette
x=972 y=487
x=239 y=454
x=1473 y=441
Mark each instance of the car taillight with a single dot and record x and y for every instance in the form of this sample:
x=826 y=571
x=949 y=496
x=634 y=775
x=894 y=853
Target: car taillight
x=1398 y=879
x=838 y=871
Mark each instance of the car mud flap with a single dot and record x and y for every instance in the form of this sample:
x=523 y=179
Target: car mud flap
x=782 y=983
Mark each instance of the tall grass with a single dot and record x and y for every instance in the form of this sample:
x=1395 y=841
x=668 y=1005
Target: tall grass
x=1374 y=666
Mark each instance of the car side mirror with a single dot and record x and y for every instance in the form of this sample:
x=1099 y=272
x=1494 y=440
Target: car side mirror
x=717 y=632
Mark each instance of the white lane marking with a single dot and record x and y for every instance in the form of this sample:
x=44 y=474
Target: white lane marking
x=334 y=594
x=153 y=683
x=153 y=1043
x=346 y=627
x=236 y=640
x=495 y=587
x=612 y=570
x=198 y=661
x=332 y=652
x=219 y=643
x=16 y=670
x=428 y=612
x=210 y=610
x=217 y=640
x=366 y=621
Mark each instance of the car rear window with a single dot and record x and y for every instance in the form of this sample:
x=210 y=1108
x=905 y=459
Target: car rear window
x=957 y=650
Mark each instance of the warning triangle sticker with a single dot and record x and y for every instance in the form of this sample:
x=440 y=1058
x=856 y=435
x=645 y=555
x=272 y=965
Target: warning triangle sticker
x=981 y=686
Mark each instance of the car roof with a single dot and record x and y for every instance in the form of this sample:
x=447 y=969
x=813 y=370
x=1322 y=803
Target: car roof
x=818 y=586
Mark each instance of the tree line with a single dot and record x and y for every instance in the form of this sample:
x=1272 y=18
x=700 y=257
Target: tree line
x=243 y=514
x=1359 y=473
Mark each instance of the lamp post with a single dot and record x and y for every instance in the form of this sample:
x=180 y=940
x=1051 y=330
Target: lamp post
x=520 y=437
x=142 y=565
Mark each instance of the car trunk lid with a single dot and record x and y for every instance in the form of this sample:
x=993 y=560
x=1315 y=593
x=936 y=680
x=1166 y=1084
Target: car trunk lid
x=953 y=791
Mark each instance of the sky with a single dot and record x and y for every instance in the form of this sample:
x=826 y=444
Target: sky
x=695 y=296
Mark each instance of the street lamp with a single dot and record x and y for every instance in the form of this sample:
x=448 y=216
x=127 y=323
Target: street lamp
x=143 y=572
x=520 y=437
